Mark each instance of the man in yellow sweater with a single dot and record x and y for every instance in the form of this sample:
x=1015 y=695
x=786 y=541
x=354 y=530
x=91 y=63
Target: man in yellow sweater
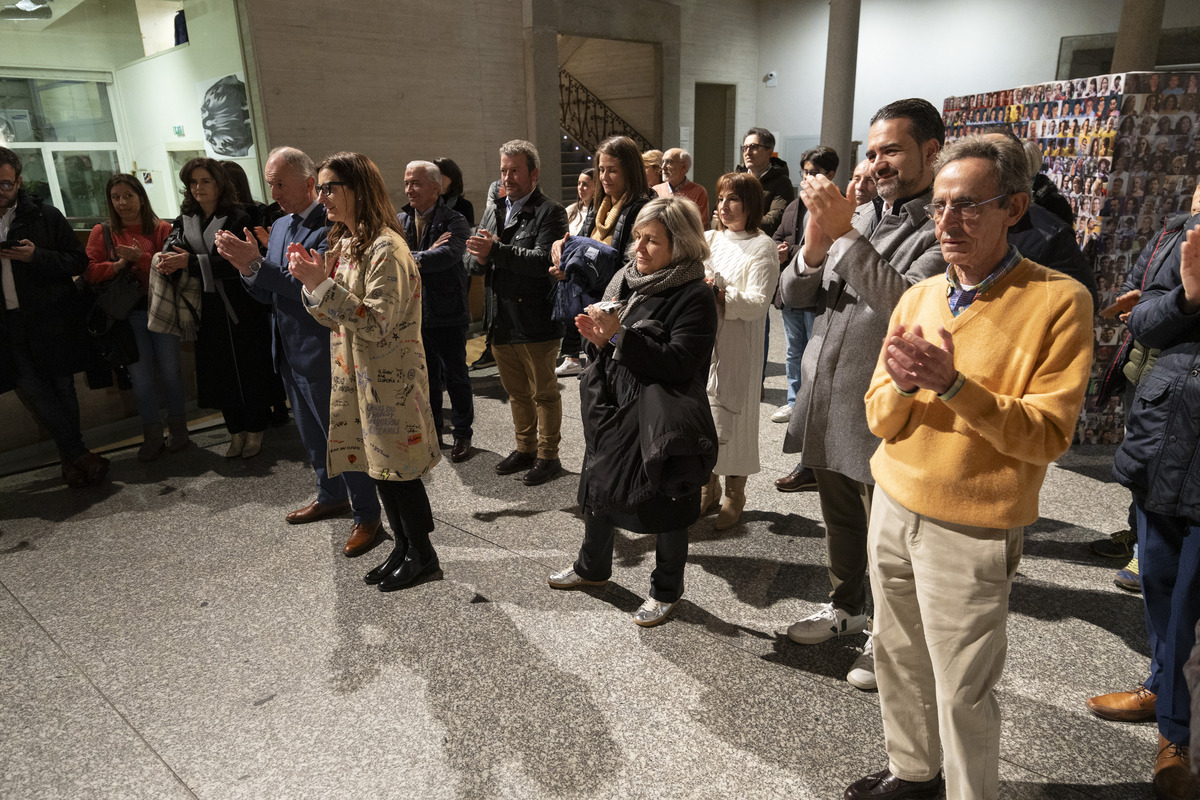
x=977 y=389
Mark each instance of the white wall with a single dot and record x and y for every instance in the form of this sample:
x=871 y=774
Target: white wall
x=159 y=92
x=924 y=48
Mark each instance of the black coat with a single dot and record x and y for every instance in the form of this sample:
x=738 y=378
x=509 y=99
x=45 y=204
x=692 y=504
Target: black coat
x=650 y=442
x=233 y=359
x=1159 y=459
x=443 y=276
x=51 y=309
x=517 y=281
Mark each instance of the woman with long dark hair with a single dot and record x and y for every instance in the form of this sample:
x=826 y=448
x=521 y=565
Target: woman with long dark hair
x=452 y=189
x=366 y=289
x=128 y=241
x=233 y=347
x=621 y=195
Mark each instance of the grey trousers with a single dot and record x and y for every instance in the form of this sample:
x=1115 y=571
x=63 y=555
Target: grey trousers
x=846 y=509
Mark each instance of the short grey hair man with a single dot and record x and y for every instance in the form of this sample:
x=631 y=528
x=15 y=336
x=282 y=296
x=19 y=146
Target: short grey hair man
x=296 y=159
x=520 y=147
x=431 y=170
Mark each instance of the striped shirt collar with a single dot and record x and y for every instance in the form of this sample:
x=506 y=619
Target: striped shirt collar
x=961 y=299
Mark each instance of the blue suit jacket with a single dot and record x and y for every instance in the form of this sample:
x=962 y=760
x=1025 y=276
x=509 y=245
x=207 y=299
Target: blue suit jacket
x=296 y=335
x=443 y=275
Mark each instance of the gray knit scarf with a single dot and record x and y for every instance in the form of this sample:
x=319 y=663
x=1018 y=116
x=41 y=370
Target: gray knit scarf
x=631 y=284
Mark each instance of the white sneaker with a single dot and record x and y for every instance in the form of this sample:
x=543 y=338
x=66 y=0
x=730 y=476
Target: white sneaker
x=570 y=579
x=826 y=624
x=652 y=612
x=862 y=671
x=782 y=414
x=570 y=366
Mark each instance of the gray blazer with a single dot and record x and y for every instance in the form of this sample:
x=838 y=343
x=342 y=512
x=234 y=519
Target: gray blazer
x=854 y=300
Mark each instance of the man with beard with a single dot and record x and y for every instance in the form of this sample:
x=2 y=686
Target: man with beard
x=853 y=267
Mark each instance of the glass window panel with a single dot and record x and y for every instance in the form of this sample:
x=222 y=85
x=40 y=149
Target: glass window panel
x=82 y=176
x=33 y=173
x=55 y=111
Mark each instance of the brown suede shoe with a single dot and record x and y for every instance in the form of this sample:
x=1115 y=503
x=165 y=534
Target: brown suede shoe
x=1173 y=778
x=1132 y=706
x=315 y=511
x=363 y=537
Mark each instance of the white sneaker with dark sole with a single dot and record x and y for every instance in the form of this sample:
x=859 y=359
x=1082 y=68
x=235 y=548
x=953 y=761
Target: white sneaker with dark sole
x=652 y=612
x=826 y=624
x=782 y=414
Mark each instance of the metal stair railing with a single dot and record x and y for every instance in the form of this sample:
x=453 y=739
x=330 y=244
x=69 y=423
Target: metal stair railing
x=587 y=119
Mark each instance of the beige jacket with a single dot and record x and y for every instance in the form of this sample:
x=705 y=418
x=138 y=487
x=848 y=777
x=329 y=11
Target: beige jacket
x=379 y=417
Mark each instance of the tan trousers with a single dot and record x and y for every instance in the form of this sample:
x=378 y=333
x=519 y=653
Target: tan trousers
x=527 y=374
x=941 y=607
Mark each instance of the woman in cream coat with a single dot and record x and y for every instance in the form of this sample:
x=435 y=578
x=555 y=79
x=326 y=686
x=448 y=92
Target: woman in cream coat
x=743 y=270
x=380 y=420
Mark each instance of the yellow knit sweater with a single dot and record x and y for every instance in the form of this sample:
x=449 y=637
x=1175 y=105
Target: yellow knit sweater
x=979 y=458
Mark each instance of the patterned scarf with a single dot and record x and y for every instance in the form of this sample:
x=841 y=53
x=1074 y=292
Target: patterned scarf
x=631 y=284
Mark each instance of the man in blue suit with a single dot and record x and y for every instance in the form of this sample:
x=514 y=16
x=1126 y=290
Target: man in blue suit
x=437 y=236
x=300 y=344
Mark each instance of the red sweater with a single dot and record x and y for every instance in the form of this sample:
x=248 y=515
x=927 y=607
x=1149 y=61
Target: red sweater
x=100 y=268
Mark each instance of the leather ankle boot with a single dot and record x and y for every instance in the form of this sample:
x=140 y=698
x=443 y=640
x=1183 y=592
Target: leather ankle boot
x=733 y=502
x=237 y=441
x=710 y=495
x=420 y=560
x=177 y=433
x=390 y=565
x=152 y=442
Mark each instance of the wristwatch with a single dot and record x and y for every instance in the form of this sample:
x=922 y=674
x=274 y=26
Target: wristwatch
x=256 y=265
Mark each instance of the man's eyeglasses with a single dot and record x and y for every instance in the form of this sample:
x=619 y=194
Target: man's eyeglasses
x=750 y=148
x=326 y=189
x=7 y=186
x=964 y=210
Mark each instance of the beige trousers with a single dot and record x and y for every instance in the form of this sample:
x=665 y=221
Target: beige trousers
x=941 y=608
x=527 y=374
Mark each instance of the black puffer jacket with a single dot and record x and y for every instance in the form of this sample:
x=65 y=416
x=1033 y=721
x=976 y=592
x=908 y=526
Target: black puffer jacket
x=777 y=193
x=1159 y=460
x=517 y=282
x=650 y=442
x=51 y=309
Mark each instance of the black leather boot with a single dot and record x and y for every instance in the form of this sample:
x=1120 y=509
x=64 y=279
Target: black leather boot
x=419 y=561
x=389 y=566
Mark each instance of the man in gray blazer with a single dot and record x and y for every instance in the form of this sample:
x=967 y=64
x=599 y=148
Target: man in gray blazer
x=853 y=267
x=300 y=344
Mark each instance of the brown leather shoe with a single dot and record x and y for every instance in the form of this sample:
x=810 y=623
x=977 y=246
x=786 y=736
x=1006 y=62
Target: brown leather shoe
x=1133 y=706
x=1173 y=778
x=363 y=537
x=315 y=511
x=798 y=480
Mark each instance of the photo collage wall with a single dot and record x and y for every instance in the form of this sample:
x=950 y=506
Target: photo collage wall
x=1122 y=149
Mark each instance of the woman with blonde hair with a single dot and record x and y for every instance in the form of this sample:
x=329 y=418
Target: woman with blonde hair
x=743 y=270
x=649 y=438
x=380 y=419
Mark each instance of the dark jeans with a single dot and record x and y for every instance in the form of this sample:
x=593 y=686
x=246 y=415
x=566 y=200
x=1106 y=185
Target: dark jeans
x=1169 y=562
x=846 y=510
x=596 y=555
x=407 y=507
x=50 y=398
x=446 y=360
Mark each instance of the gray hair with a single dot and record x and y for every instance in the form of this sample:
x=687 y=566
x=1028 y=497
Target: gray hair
x=684 y=156
x=520 y=147
x=296 y=159
x=1033 y=153
x=681 y=219
x=1007 y=157
x=431 y=170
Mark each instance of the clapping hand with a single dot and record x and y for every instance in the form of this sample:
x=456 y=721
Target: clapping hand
x=308 y=267
x=132 y=254
x=914 y=363
x=597 y=326
x=173 y=262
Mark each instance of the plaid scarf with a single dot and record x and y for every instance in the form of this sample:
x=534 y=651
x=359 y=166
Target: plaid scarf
x=631 y=284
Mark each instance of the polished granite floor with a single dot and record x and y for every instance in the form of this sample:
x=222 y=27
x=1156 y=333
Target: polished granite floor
x=167 y=635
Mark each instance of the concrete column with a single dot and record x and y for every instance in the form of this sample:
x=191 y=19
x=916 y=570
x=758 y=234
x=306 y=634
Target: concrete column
x=1137 y=36
x=841 y=64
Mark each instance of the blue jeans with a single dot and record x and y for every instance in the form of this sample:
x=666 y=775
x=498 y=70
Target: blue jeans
x=797 y=329
x=1169 y=563
x=158 y=354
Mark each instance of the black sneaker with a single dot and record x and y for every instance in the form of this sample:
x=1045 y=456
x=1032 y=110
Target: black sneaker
x=543 y=470
x=516 y=461
x=1119 y=545
x=486 y=359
